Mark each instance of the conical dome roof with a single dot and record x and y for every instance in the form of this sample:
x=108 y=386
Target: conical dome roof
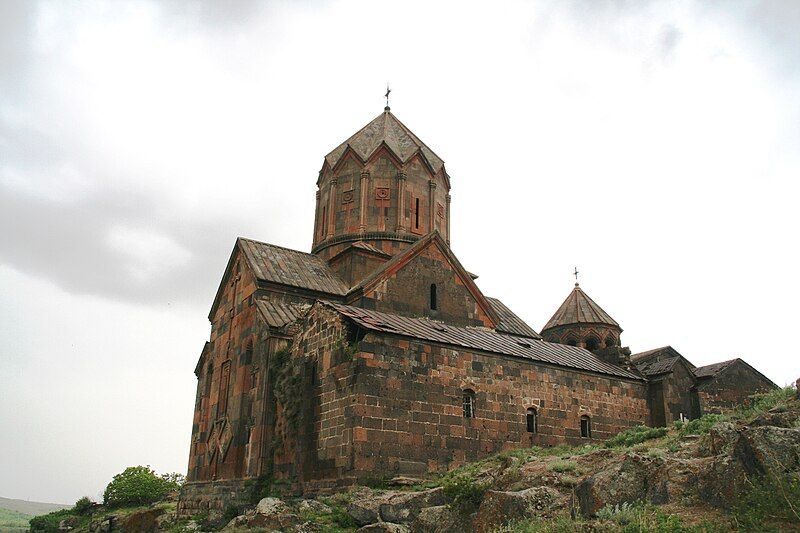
x=578 y=308
x=386 y=128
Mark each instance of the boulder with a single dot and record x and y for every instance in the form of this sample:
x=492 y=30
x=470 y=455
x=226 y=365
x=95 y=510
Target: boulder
x=501 y=507
x=364 y=511
x=778 y=416
x=768 y=450
x=720 y=439
x=394 y=506
x=403 y=507
x=146 y=520
x=721 y=481
x=441 y=519
x=632 y=479
x=384 y=527
x=271 y=506
x=312 y=506
x=272 y=513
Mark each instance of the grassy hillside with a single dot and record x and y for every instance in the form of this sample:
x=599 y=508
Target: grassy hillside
x=13 y=520
x=30 y=508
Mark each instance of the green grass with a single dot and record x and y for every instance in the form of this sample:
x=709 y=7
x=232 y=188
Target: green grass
x=770 y=504
x=624 y=519
x=561 y=466
x=336 y=520
x=634 y=435
x=13 y=520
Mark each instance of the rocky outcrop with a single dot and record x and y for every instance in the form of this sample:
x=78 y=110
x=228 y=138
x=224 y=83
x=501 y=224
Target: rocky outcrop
x=634 y=478
x=394 y=507
x=501 y=507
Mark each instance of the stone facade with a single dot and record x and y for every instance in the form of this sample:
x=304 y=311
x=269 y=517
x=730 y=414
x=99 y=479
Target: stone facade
x=378 y=355
x=730 y=386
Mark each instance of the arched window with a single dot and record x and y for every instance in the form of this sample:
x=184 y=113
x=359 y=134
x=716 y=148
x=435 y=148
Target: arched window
x=586 y=427
x=610 y=341
x=469 y=403
x=434 y=303
x=592 y=343
x=571 y=342
x=531 y=420
x=416 y=213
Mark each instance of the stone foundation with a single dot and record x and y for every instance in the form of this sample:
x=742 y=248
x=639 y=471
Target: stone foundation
x=209 y=497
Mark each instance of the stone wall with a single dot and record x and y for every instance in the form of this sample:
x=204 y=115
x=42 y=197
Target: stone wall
x=407 y=291
x=731 y=388
x=408 y=418
x=201 y=497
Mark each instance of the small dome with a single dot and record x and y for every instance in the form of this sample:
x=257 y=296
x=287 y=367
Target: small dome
x=578 y=309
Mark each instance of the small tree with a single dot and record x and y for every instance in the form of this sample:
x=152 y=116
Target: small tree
x=83 y=506
x=139 y=485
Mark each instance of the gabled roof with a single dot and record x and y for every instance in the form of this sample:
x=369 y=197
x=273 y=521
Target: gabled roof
x=578 y=308
x=386 y=129
x=283 y=266
x=510 y=322
x=481 y=339
x=654 y=367
x=278 y=314
x=713 y=369
x=659 y=361
x=290 y=267
x=402 y=258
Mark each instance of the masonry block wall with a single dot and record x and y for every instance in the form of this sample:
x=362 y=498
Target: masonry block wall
x=315 y=442
x=730 y=388
x=407 y=291
x=408 y=413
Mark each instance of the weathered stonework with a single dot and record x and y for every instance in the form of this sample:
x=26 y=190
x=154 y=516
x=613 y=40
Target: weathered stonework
x=377 y=354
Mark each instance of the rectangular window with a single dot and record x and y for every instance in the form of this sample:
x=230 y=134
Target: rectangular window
x=586 y=427
x=416 y=213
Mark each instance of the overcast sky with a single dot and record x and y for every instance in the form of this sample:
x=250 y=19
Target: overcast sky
x=655 y=146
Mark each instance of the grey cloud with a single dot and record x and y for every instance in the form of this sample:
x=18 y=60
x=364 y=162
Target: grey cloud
x=67 y=243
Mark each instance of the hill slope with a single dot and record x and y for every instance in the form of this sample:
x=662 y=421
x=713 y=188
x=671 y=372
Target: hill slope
x=30 y=508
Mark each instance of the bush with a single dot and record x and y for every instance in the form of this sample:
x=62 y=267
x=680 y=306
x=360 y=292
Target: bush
x=139 y=485
x=49 y=522
x=635 y=435
x=83 y=506
x=700 y=426
x=768 y=499
x=465 y=492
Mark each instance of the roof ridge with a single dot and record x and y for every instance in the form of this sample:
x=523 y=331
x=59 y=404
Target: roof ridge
x=279 y=246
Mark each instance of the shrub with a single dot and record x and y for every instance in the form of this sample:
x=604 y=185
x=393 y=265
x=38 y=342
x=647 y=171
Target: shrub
x=465 y=492
x=83 y=506
x=49 y=522
x=139 y=485
x=231 y=512
x=768 y=499
x=700 y=426
x=564 y=466
x=635 y=435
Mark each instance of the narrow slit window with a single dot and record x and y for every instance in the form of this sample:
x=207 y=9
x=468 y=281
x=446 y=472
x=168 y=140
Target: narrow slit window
x=469 y=403
x=224 y=381
x=531 y=420
x=324 y=225
x=434 y=302
x=586 y=427
x=416 y=213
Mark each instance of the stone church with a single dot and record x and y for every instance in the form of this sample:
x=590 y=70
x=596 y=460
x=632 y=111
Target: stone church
x=376 y=354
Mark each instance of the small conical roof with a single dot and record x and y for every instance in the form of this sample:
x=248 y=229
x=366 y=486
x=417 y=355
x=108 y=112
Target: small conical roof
x=578 y=308
x=385 y=128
